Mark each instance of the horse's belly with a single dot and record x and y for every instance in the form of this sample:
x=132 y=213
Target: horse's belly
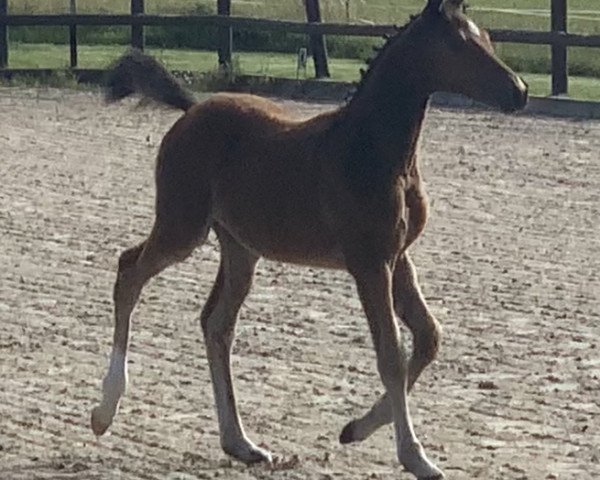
x=333 y=259
x=283 y=236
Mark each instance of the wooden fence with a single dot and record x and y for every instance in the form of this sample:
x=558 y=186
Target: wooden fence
x=558 y=37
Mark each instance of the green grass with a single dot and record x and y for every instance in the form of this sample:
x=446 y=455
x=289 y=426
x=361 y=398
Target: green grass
x=581 y=88
x=26 y=55
x=252 y=63
x=515 y=14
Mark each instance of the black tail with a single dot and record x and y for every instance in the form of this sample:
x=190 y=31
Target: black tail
x=136 y=72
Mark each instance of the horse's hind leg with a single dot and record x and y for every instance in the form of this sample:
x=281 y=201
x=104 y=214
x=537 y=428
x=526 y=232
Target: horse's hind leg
x=172 y=239
x=410 y=306
x=115 y=380
x=218 y=325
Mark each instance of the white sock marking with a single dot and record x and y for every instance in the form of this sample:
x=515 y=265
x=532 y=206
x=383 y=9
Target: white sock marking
x=115 y=382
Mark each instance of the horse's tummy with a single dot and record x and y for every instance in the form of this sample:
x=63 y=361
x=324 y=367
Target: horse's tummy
x=277 y=214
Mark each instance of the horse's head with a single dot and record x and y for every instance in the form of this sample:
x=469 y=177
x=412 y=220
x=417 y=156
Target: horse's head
x=458 y=57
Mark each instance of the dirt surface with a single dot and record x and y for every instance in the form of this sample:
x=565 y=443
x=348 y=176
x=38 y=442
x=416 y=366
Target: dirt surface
x=510 y=263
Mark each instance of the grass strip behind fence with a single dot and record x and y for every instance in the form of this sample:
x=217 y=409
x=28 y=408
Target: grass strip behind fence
x=250 y=63
x=584 y=18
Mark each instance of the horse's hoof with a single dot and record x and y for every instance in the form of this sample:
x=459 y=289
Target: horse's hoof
x=100 y=421
x=347 y=435
x=248 y=453
x=413 y=458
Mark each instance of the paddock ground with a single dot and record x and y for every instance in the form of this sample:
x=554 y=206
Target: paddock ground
x=510 y=263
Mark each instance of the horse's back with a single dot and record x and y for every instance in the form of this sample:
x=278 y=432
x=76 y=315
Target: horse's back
x=239 y=111
x=261 y=170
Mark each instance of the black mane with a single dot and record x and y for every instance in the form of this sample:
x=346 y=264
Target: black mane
x=373 y=61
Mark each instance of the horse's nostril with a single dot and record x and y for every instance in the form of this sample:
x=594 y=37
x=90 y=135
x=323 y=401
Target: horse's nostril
x=520 y=92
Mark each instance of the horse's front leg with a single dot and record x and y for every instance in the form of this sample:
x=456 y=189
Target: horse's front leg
x=410 y=306
x=374 y=284
x=218 y=320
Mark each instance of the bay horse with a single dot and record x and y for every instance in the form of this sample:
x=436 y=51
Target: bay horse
x=340 y=190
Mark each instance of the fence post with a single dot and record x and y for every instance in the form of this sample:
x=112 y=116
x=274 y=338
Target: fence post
x=560 y=68
x=318 y=47
x=73 y=35
x=3 y=35
x=137 y=31
x=225 y=37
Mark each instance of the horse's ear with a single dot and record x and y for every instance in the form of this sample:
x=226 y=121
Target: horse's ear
x=445 y=7
x=451 y=7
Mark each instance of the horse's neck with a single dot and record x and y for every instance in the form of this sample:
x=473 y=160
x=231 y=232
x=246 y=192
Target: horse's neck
x=390 y=109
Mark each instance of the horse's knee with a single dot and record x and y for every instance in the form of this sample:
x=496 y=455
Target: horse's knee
x=392 y=363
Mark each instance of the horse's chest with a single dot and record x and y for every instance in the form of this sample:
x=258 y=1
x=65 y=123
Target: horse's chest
x=395 y=220
x=416 y=214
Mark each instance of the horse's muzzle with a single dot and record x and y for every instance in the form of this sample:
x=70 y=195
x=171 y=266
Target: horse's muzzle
x=519 y=96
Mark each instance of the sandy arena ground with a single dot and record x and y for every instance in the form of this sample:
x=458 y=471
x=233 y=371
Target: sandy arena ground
x=510 y=264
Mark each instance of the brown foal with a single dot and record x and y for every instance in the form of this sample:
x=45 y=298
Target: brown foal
x=341 y=190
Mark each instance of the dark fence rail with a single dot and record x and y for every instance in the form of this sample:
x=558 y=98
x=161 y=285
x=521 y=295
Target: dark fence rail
x=558 y=40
